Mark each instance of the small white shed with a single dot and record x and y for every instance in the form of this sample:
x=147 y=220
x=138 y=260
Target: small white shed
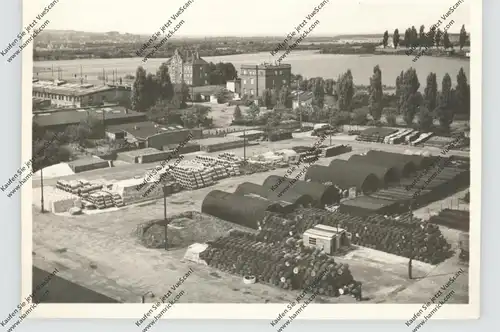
x=327 y=238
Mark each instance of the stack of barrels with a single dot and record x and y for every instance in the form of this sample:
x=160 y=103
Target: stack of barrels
x=288 y=264
x=403 y=237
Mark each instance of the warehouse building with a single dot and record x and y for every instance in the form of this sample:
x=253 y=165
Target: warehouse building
x=238 y=209
x=320 y=193
x=62 y=93
x=418 y=161
x=288 y=196
x=148 y=134
x=404 y=165
x=386 y=174
x=59 y=120
x=365 y=206
x=343 y=176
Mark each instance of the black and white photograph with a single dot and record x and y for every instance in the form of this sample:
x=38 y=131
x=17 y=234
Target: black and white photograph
x=234 y=159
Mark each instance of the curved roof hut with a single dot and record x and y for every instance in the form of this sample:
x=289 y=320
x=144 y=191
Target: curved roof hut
x=386 y=174
x=320 y=193
x=420 y=161
x=284 y=195
x=344 y=176
x=242 y=210
x=405 y=166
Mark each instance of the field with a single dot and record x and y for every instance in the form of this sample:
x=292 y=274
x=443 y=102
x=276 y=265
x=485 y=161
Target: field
x=101 y=251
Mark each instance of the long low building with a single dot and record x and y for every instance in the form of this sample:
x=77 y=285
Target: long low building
x=320 y=193
x=288 y=196
x=61 y=119
x=147 y=134
x=344 y=177
x=242 y=210
x=62 y=93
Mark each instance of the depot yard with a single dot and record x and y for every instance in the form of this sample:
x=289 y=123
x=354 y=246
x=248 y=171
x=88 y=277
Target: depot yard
x=101 y=250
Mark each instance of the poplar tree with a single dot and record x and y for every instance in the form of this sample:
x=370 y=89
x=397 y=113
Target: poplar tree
x=444 y=111
x=395 y=38
x=463 y=36
x=139 y=95
x=376 y=94
x=446 y=40
x=431 y=92
x=462 y=94
x=166 y=89
x=385 y=39
x=410 y=97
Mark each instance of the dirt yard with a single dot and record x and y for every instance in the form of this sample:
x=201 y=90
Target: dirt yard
x=100 y=251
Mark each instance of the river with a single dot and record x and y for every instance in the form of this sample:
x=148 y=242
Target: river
x=306 y=63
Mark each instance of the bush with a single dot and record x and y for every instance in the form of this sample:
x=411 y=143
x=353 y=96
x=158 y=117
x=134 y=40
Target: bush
x=360 y=117
x=341 y=118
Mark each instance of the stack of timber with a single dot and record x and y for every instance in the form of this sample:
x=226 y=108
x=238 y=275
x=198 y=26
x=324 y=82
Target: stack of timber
x=230 y=157
x=307 y=153
x=375 y=134
x=366 y=205
x=336 y=150
x=231 y=167
x=422 y=241
x=421 y=139
x=82 y=165
x=138 y=190
x=279 y=135
x=289 y=266
x=191 y=175
x=456 y=219
x=81 y=188
x=221 y=143
x=101 y=199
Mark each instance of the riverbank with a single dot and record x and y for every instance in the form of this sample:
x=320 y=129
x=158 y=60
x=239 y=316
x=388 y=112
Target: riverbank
x=306 y=63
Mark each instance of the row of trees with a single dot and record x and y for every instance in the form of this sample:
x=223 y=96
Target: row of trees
x=433 y=37
x=353 y=107
x=442 y=105
x=149 y=90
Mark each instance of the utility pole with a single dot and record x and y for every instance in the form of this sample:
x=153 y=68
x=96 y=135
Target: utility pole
x=411 y=243
x=257 y=84
x=41 y=182
x=330 y=125
x=298 y=101
x=244 y=145
x=165 y=213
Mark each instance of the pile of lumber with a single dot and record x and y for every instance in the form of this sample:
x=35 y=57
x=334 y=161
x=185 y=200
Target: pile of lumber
x=220 y=165
x=81 y=188
x=336 y=150
x=456 y=219
x=192 y=175
x=101 y=199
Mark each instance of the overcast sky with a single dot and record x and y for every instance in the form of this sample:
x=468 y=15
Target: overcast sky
x=249 y=18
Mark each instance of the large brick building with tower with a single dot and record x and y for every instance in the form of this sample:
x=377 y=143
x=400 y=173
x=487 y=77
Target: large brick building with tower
x=256 y=78
x=189 y=68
